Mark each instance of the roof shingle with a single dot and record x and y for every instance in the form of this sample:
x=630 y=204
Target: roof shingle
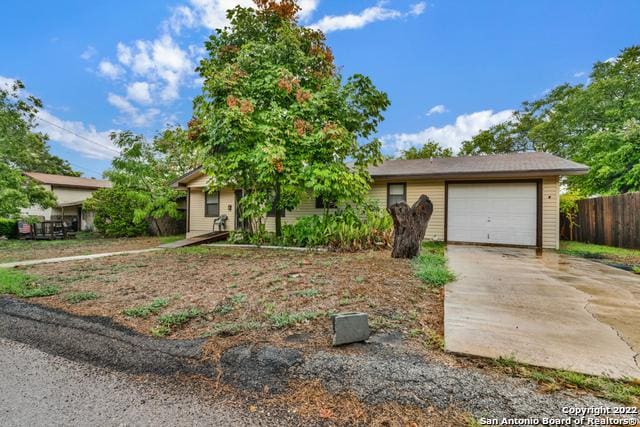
x=68 y=181
x=535 y=163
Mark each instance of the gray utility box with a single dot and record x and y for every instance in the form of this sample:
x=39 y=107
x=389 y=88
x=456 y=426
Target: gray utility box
x=350 y=327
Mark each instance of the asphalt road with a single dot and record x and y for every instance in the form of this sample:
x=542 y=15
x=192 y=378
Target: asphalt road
x=37 y=389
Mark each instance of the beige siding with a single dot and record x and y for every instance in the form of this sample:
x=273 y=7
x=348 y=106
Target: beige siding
x=201 y=181
x=306 y=208
x=550 y=213
x=432 y=189
x=200 y=224
x=70 y=195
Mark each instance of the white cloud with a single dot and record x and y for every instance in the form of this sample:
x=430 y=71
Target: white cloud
x=451 y=135
x=124 y=54
x=76 y=136
x=88 y=53
x=437 y=109
x=110 y=70
x=579 y=74
x=352 y=21
x=307 y=7
x=132 y=113
x=139 y=92
x=418 y=8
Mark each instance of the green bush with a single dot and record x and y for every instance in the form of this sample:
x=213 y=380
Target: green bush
x=346 y=229
x=115 y=212
x=8 y=228
x=431 y=265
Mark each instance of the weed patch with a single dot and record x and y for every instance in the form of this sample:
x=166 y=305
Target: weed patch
x=286 y=319
x=626 y=392
x=307 y=293
x=431 y=265
x=22 y=285
x=146 y=310
x=228 y=329
x=78 y=297
x=171 y=321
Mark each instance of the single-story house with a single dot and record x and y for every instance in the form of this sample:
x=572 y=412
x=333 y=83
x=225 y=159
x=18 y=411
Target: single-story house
x=70 y=192
x=503 y=199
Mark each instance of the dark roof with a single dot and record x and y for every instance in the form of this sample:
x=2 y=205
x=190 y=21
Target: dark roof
x=512 y=164
x=68 y=181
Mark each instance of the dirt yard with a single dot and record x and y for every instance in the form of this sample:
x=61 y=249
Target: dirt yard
x=85 y=244
x=240 y=294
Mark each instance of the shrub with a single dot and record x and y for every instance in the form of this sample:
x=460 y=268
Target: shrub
x=8 y=228
x=115 y=212
x=346 y=229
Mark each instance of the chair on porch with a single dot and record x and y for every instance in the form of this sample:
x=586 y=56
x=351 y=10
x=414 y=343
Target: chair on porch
x=221 y=222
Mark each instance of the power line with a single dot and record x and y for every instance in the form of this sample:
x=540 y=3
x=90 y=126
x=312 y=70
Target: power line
x=79 y=136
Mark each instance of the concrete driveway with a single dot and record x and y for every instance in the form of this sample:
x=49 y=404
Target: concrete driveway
x=548 y=310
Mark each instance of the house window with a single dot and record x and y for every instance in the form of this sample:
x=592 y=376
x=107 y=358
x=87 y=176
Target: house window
x=320 y=202
x=396 y=193
x=212 y=204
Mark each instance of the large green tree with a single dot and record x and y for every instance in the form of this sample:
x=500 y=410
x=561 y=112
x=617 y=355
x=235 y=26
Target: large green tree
x=276 y=119
x=597 y=124
x=142 y=175
x=428 y=150
x=23 y=149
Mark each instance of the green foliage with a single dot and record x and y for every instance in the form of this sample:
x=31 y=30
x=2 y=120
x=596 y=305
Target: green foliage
x=346 y=229
x=429 y=150
x=431 y=265
x=286 y=319
x=227 y=329
x=597 y=124
x=589 y=250
x=146 y=310
x=115 y=212
x=8 y=228
x=17 y=283
x=78 y=297
x=276 y=119
x=307 y=293
x=23 y=149
x=169 y=322
x=145 y=170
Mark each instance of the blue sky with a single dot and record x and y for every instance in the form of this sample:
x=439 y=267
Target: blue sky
x=450 y=68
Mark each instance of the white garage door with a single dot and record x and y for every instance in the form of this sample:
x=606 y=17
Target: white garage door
x=499 y=213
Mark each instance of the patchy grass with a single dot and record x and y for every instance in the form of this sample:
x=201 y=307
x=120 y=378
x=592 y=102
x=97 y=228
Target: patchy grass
x=253 y=295
x=431 y=265
x=78 y=297
x=172 y=321
x=15 y=282
x=285 y=319
x=630 y=257
x=146 y=310
x=83 y=244
x=626 y=392
x=228 y=329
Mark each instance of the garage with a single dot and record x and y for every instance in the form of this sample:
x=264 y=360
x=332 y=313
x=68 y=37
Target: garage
x=499 y=213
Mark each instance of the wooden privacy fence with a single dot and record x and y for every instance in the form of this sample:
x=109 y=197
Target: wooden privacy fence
x=611 y=221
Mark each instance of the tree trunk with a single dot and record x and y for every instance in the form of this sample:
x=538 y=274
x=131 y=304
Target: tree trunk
x=278 y=212
x=409 y=226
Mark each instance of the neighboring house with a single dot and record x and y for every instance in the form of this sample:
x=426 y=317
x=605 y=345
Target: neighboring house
x=504 y=199
x=70 y=192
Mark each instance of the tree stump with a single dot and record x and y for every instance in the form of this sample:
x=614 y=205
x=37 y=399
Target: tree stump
x=409 y=226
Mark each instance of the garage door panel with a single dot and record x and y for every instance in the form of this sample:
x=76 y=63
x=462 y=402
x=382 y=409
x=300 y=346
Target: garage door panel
x=496 y=213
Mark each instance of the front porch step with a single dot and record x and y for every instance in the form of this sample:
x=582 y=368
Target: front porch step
x=197 y=240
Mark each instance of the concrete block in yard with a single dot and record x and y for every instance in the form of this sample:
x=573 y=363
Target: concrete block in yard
x=350 y=327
